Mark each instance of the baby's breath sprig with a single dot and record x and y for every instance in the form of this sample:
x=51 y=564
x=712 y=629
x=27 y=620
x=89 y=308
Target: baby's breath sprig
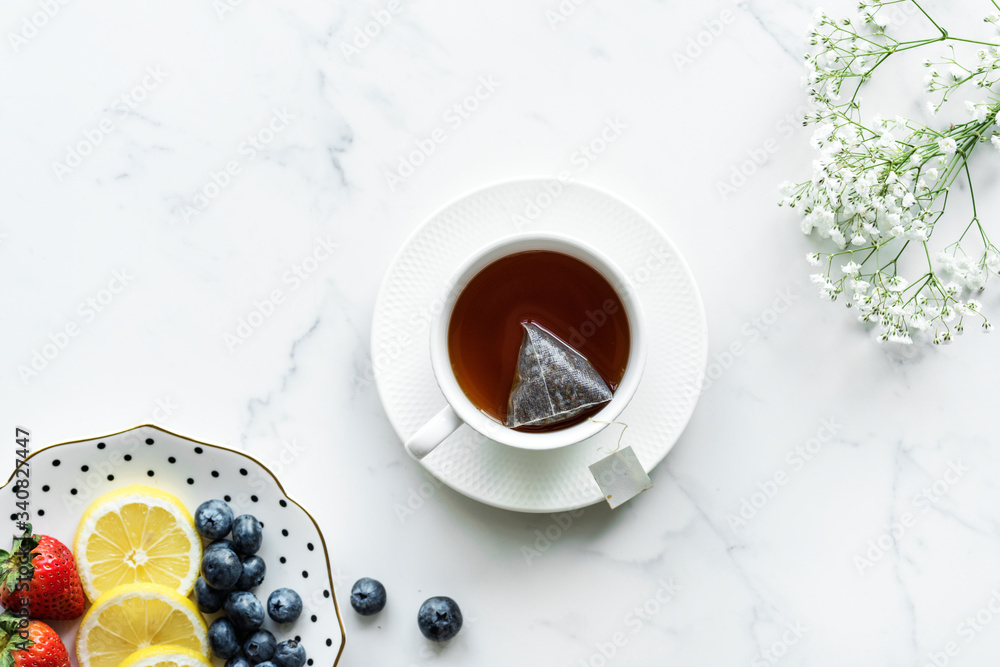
x=881 y=186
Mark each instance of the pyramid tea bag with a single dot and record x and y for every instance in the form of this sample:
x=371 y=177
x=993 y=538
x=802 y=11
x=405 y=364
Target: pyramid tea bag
x=552 y=383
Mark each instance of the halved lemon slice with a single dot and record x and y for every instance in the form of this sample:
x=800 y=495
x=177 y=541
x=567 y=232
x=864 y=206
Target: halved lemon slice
x=136 y=616
x=136 y=534
x=165 y=656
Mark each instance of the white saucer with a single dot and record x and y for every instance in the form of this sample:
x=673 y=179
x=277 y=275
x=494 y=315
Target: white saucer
x=553 y=480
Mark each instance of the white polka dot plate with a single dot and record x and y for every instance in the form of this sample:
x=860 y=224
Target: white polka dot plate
x=65 y=478
x=557 y=479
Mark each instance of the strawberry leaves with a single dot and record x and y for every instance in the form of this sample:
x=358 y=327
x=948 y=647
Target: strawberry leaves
x=16 y=564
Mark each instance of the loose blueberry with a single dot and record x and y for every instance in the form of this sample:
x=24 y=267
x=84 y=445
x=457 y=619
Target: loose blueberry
x=259 y=646
x=284 y=605
x=213 y=519
x=439 y=619
x=247 y=534
x=237 y=661
x=245 y=611
x=266 y=663
x=209 y=599
x=368 y=596
x=253 y=573
x=223 y=637
x=289 y=653
x=221 y=569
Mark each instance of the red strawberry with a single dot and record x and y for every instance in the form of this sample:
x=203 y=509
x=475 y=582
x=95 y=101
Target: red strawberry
x=29 y=643
x=39 y=575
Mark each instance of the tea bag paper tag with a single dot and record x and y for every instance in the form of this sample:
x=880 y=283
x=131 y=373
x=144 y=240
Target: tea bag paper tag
x=620 y=476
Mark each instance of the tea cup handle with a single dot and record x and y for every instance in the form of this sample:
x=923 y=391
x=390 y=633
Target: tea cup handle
x=433 y=433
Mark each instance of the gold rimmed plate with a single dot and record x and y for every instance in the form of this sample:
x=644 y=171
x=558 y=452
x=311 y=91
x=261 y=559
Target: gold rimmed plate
x=63 y=479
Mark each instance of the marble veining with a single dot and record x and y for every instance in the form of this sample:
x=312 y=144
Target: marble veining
x=831 y=501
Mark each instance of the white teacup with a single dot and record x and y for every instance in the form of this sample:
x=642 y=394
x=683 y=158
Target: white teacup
x=461 y=410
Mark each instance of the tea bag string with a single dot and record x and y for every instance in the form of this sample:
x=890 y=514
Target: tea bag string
x=603 y=450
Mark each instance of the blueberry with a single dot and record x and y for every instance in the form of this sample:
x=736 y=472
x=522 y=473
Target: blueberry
x=245 y=611
x=439 y=619
x=368 y=596
x=259 y=646
x=289 y=653
x=221 y=568
x=223 y=638
x=213 y=519
x=284 y=605
x=220 y=544
x=209 y=599
x=237 y=661
x=247 y=534
x=253 y=573
x=266 y=663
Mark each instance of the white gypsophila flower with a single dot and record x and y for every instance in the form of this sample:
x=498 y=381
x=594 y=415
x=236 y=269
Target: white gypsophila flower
x=877 y=182
x=896 y=283
x=997 y=118
x=851 y=268
x=977 y=111
x=887 y=140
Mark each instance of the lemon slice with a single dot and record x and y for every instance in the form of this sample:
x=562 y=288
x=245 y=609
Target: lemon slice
x=136 y=616
x=136 y=534
x=165 y=656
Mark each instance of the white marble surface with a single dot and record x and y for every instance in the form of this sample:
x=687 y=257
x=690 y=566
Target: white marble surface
x=294 y=392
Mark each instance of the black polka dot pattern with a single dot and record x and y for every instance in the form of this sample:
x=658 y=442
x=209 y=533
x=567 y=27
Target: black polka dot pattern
x=196 y=473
